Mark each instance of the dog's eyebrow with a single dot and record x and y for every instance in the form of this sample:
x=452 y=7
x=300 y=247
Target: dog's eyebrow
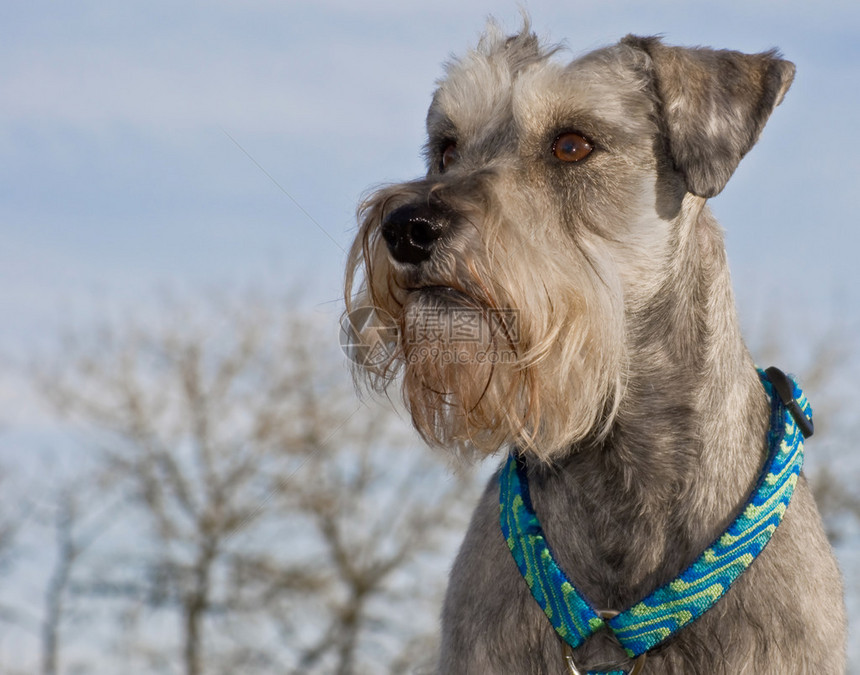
x=440 y=127
x=600 y=130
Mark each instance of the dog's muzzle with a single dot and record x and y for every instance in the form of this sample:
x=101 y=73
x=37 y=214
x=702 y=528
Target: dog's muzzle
x=411 y=232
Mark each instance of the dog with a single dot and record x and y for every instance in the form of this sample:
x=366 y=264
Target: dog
x=556 y=286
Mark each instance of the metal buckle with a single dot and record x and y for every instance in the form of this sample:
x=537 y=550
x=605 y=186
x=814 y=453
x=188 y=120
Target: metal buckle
x=567 y=650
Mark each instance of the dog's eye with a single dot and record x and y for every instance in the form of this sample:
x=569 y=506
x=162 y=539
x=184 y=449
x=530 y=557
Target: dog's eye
x=571 y=147
x=450 y=155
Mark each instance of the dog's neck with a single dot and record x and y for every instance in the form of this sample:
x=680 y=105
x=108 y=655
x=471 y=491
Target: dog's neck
x=684 y=449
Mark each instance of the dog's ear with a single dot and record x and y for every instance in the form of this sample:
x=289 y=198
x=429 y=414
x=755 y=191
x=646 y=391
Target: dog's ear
x=714 y=105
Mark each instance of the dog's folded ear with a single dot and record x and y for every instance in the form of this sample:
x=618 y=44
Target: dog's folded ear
x=714 y=104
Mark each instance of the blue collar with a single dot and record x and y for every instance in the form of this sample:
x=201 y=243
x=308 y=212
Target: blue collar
x=699 y=587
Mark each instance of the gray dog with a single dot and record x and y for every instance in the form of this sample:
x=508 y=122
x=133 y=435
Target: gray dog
x=557 y=286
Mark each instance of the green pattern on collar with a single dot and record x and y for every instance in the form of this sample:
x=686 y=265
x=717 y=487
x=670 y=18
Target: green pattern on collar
x=678 y=603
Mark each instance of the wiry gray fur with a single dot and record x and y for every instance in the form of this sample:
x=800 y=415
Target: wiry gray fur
x=674 y=448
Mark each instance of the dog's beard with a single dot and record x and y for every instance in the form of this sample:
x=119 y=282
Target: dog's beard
x=524 y=349
x=461 y=371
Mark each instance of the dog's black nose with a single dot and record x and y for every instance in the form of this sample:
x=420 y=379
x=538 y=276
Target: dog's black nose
x=411 y=231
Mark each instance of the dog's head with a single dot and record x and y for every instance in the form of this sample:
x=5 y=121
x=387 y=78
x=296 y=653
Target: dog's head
x=502 y=284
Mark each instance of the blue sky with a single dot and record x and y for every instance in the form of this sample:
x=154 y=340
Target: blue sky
x=119 y=175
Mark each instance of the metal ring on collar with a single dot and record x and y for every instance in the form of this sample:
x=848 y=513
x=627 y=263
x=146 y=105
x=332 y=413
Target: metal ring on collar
x=567 y=650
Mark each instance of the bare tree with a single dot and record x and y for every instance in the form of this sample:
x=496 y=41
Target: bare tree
x=77 y=520
x=9 y=524
x=282 y=523
x=262 y=521
x=68 y=552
